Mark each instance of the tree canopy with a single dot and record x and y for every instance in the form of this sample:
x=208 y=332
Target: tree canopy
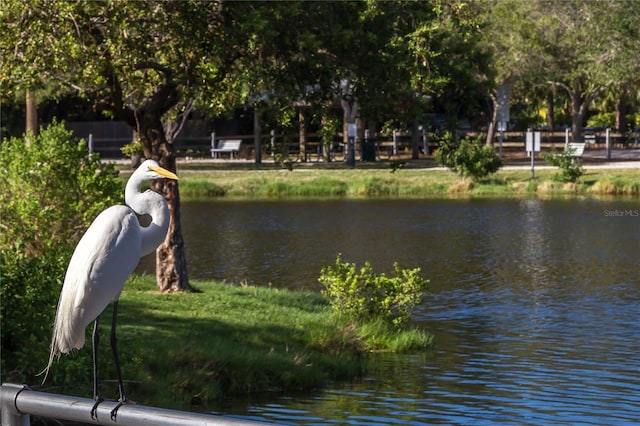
x=572 y=49
x=399 y=58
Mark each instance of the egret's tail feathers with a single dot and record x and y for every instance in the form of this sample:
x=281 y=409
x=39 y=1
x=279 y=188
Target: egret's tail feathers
x=53 y=354
x=68 y=335
x=60 y=346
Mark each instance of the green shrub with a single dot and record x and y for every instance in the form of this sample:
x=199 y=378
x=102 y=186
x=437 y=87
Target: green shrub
x=52 y=190
x=363 y=296
x=570 y=169
x=468 y=157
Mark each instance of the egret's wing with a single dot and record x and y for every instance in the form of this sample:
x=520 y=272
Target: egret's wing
x=103 y=259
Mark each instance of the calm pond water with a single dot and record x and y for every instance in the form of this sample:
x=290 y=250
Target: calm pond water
x=535 y=304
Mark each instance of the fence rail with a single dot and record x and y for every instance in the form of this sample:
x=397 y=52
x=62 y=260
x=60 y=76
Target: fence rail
x=18 y=402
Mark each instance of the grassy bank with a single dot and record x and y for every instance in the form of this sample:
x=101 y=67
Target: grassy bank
x=185 y=350
x=411 y=183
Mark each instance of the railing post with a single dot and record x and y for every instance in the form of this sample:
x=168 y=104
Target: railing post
x=11 y=416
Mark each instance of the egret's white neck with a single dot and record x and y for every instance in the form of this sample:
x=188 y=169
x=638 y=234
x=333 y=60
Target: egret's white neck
x=152 y=204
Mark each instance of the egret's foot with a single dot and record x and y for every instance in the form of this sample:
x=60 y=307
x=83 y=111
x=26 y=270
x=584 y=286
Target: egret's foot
x=94 y=410
x=114 y=412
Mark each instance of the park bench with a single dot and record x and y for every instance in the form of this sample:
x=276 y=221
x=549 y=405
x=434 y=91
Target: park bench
x=590 y=138
x=575 y=149
x=229 y=146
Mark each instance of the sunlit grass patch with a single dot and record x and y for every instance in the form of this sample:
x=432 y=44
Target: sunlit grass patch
x=404 y=183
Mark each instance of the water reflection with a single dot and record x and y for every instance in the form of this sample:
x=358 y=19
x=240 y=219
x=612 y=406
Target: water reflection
x=535 y=304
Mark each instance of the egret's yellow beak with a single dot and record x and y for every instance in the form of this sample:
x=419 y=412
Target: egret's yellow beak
x=164 y=172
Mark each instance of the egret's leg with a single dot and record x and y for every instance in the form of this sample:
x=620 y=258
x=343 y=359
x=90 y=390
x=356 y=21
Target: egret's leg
x=96 y=394
x=116 y=359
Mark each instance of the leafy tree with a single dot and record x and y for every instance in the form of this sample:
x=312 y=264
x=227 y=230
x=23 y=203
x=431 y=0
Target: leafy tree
x=26 y=29
x=423 y=55
x=574 y=48
x=141 y=62
x=464 y=63
x=282 y=56
x=407 y=74
x=137 y=61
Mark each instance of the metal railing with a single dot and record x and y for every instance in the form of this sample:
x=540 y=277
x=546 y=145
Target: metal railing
x=18 y=402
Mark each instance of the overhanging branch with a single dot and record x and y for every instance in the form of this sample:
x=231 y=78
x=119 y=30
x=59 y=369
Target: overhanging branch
x=168 y=74
x=561 y=85
x=172 y=128
x=166 y=96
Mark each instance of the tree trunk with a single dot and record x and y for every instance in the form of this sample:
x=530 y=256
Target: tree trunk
x=257 y=136
x=580 y=101
x=171 y=263
x=31 y=123
x=302 y=134
x=328 y=142
x=350 y=112
x=621 y=111
x=491 y=131
x=577 y=115
x=550 y=110
x=360 y=128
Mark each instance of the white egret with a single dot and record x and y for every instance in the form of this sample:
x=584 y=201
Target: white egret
x=103 y=259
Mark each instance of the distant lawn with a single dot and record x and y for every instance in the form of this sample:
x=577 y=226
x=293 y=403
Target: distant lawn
x=309 y=182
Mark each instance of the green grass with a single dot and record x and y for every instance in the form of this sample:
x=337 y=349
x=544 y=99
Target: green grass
x=378 y=336
x=185 y=350
x=405 y=183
